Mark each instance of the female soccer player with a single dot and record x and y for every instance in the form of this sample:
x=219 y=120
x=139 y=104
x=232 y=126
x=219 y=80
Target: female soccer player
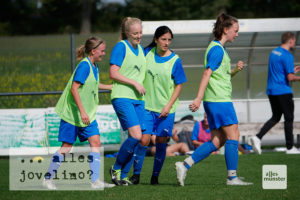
x=215 y=90
x=163 y=83
x=77 y=108
x=127 y=69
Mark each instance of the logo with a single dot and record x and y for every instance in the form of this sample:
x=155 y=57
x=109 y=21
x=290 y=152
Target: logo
x=137 y=68
x=151 y=74
x=274 y=177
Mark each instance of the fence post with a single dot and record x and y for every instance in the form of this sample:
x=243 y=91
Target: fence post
x=249 y=74
x=72 y=52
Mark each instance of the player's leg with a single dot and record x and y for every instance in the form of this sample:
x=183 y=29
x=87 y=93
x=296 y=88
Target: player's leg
x=164 y=128
x=95 y=159
x=126 y=112
x=232 y=155
x=255 y=141
x=67 y=135
x=202 y=152
x=287 y=106
x=148 y=121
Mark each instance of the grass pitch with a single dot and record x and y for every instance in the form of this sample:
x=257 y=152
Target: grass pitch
x=205 y=180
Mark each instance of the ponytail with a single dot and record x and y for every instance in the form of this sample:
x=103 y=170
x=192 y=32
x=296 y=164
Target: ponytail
x=90 y=44
x=80 y=53
x=223 y=21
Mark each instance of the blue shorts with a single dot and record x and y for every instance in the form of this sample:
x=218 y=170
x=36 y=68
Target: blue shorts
x=130 y=112
x=68 y=132
x=158 y=126
x=220 y=114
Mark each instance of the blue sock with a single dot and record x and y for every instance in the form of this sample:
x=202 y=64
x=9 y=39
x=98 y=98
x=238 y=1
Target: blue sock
x=139 y=158
x=94 y=157
x=128 y=165
x=159 y=158
x=125 y=153
x=201 y=152
x=231 y=157
x=54 y=165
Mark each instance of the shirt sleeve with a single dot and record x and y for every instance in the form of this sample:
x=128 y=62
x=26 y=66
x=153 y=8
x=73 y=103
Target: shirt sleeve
x=214 y=58
x=118 y=54
x=82 y=72
x=288 y=63
x=178 y=74
x=195 y=131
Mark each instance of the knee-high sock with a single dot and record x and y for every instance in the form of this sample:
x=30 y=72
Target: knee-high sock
x=139 y=159
x=200 y=153
x=94 y=157
x=159 y=158
x=125 y=153
x=127 y=167
x=54 y=165
x=231 y=157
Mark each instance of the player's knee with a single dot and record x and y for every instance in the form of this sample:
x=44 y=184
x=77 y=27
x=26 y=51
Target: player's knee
x=161 y=139
x=145 y=142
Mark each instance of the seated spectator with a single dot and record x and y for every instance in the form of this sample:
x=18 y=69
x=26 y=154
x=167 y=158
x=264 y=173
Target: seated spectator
x=201 y=134
x=174 y=147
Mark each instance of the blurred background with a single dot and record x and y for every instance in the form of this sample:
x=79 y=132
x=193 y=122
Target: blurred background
x=38 y=39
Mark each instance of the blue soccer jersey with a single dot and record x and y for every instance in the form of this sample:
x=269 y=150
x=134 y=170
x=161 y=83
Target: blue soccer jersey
x=119 y=51
x=281 y=63
x=214 y=57
x=83 y=71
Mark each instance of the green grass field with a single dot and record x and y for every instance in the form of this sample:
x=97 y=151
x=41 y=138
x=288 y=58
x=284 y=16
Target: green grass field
x=205 y=180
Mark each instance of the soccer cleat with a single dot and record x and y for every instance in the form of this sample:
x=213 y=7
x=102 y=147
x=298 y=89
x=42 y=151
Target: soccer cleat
x=135 y=179
x=154 y=180
x=237 y=181
x=49 y=184
x=293 y=150
x=256 y=144
x=115 y=176
x=126 y=181
x=181 y=171
x=101 y=184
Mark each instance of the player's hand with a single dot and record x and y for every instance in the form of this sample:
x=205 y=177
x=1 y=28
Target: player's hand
x=85 y=118
x=239 y=66
x=141 y=90
x=194 y=106
x=297 y=69
x=165 y=111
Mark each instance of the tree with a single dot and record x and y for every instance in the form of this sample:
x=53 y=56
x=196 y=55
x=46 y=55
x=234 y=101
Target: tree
x=86 y=17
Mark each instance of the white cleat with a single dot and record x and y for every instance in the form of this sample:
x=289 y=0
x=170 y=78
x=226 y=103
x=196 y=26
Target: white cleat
x=181 y=171
x=237 y=181
x=98 y=184
x=293 y=150
x=256 y=144
x=49 y=184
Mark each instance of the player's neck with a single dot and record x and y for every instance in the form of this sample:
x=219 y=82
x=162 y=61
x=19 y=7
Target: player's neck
x=92 y=60
x=284 y=46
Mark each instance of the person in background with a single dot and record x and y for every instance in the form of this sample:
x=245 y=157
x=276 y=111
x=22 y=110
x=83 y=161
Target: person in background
x=281 y=71
x=77 y=108
x=215 y=91
x=127 y=69
x=201 y=134
x=173 y=147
